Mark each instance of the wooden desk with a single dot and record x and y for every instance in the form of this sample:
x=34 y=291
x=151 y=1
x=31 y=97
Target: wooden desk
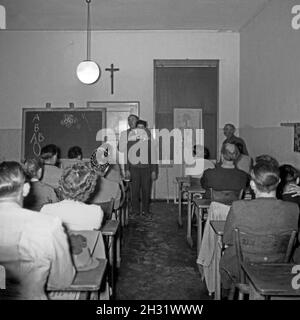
x=191 y=191
x=200 y=204
x=180 y=181
x=86 y=281
x=110 y=230
x=218 y=227
x=270 y=279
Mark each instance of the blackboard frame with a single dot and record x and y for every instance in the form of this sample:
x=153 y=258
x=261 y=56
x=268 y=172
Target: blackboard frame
x=28 y=109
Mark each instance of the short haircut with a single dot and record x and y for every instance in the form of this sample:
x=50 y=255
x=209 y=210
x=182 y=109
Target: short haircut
x=31 y=167
x=288 y=174
x=142 y=122
x=77 y=183
x=49 y=151
x=268 y=159
x=133 y=115
x=12 y=178
x=265 y=176
x=229 y=152
x=230 y=125
x=74 y=152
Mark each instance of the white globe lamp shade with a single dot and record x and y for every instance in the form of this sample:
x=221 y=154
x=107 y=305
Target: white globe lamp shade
x=88 y=72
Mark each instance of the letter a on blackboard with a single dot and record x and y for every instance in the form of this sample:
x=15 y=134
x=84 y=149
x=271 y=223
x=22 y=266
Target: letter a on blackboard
x=36 y=117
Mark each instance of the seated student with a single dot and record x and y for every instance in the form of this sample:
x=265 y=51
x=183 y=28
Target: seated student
x=289 y=177
x=243 y=162
x=105 y=188
x=74 y=156
x=263 y=215
x=225 y=176
x=75 y=187
x=75 y=153
x=33 y=248
x=52 y=174
x=40 y=193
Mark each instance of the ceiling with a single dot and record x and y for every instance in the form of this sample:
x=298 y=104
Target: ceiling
x=131 y=14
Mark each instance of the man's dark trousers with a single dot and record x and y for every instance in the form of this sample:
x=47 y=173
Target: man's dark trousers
x=140 y=188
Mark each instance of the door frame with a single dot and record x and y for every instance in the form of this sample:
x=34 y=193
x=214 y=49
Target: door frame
x=175 y=63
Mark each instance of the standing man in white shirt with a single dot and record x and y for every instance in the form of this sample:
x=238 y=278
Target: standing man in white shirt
x=33 y=247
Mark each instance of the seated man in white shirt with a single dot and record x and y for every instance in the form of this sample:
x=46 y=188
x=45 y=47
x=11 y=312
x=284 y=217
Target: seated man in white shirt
x=33 y=248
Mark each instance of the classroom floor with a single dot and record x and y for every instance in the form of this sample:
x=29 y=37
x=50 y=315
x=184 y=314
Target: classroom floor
x=157 y=263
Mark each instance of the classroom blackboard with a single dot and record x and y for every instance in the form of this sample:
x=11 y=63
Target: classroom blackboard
x=63 y=127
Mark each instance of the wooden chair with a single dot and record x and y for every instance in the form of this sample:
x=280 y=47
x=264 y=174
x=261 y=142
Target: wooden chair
x=107 y=208
x=267 y=248
x=226 y=196
x=110 y=231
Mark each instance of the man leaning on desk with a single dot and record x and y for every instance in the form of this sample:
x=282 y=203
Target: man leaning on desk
x=33 y=246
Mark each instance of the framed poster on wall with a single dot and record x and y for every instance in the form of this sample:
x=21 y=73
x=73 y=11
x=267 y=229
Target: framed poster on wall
x=188 y=118
x=117 y=113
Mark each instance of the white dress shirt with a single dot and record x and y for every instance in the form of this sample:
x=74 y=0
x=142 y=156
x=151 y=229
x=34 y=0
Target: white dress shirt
x=76 y=215
x=35 y=252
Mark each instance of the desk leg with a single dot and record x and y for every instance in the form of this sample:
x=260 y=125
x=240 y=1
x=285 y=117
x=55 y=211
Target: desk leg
x=112 y=261
x=189 y=221
x=118 y=249
x=199 y=213
x=217 y=267
x=126 y=208
x=179 y=204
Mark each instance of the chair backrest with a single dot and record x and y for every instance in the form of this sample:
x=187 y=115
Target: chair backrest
x=23 y=278
x=269 y=248
x=107 y=208
x=226 y=196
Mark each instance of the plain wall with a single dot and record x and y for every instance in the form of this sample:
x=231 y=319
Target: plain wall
x=269 y=82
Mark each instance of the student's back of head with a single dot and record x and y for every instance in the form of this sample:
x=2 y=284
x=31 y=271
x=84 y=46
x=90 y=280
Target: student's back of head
x=77 y=183
x=33 y=168
x=268 y=159
x=75 y=153
x=12 y=179
x=265 y=178
x=229 y=152
x=50 y=154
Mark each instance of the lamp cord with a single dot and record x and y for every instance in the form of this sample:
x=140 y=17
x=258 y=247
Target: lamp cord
x=88 y=32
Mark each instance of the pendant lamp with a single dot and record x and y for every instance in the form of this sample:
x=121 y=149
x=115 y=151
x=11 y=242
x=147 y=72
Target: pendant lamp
x=88 y=71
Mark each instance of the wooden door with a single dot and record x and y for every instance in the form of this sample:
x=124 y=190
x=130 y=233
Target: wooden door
x=187 y=84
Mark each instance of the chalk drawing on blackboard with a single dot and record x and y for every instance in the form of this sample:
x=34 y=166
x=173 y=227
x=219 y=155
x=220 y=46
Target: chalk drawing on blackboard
x=69 y=120
x=36 y=147
x=37 y=136
x=36 y=117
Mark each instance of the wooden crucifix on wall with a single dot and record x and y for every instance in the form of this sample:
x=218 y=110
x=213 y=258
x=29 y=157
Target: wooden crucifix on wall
x=112 y=70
